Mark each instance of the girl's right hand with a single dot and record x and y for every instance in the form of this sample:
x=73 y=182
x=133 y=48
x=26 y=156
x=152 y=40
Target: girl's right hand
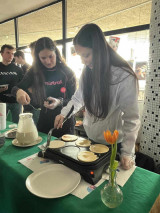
x=22 y=97
x=58 y=122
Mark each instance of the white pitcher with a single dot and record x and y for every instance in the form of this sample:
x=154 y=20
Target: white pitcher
x=26 y=131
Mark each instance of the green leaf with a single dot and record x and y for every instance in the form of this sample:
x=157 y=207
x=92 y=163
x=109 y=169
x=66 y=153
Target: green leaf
x=115 y=165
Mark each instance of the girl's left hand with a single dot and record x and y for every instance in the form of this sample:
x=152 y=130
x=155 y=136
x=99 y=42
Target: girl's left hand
x=127 y=162
x=52 y=103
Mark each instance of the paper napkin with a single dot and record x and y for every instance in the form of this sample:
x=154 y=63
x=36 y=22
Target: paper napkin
x=122 y=175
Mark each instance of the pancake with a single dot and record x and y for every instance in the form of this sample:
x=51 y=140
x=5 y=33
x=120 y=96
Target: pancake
x=87 y=156
x=56 y=144
x=99 y=148
x=69 y=138
x=83 y=142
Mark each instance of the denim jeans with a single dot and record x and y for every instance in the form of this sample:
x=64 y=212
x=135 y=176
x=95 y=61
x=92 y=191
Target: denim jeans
x=15 y=110
x=35 y=113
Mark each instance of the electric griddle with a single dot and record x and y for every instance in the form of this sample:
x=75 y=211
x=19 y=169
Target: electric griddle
x=67 y=155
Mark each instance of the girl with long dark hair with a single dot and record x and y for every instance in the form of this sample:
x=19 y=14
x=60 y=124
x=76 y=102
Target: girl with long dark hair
x=108 y=89
x=51 y=84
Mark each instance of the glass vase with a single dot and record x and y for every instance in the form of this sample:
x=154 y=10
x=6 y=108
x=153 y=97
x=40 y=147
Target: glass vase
x=111 y=194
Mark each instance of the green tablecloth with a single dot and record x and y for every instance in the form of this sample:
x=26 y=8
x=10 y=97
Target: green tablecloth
x=139 y=192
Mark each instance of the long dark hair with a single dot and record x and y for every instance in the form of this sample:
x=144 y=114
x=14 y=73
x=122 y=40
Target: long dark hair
x=96 y=82
x=39 y=94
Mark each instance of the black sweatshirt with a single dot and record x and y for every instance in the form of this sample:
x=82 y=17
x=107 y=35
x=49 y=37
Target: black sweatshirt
x=59 y=83
x=12 y=75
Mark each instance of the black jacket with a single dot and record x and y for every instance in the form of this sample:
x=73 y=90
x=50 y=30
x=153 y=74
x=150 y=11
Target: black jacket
x=12 y=75
x=59 y=83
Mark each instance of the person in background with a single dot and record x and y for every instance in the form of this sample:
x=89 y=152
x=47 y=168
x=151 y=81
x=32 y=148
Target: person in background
x=108 y=89
x=20 y=60
x=28 y=108
x=52 y=83
x=32 y=47
x=9 y=74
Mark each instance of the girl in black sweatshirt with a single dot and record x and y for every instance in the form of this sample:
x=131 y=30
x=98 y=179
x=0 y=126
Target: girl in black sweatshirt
x=51 y=84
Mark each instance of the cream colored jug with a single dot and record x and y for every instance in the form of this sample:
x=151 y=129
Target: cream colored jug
x=26 y=131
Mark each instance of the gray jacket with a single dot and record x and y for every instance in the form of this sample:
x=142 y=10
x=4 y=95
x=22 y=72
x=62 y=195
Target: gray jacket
x=123 y=112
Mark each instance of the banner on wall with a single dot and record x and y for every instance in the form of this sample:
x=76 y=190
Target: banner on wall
x=114 y=42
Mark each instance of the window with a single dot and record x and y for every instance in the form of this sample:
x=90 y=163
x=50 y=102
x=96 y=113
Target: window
x=133 y=47
x=7 y=35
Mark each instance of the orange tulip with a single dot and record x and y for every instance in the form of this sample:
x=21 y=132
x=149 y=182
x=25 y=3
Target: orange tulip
x=111 y=139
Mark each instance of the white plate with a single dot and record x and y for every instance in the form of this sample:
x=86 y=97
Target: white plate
x=53 y=181
x=11 y=137
x=16 y=143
